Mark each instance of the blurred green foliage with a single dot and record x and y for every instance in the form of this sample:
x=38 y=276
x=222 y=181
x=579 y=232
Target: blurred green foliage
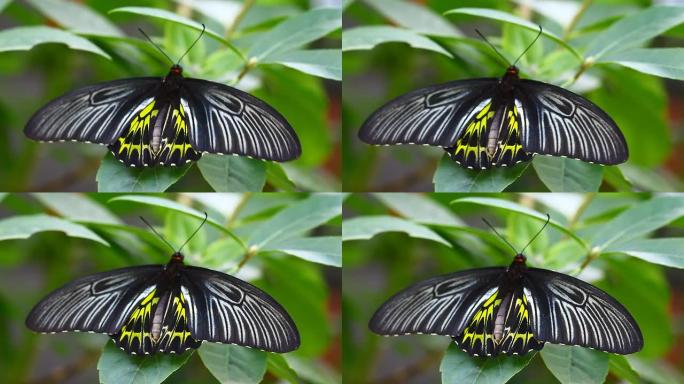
x=244 y=46
x=289 y=245
x=624 y=55
x=627 y=244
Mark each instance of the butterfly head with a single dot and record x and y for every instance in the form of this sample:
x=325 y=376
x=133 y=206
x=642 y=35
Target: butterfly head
x=519 y=259
x=177 y=256
x=512 y=71
x=176 y=70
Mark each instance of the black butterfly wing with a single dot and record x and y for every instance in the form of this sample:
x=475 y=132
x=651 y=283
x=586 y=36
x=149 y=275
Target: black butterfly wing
x=441 y=305
x=95 y=303
x=224 y=309
x=157 y=133
x=97 y=113
x=434 y=115
x=562 y=123
x=492 y=135
x=566 y=310
x=517 y=337
x=226 y=120
x=175 y=335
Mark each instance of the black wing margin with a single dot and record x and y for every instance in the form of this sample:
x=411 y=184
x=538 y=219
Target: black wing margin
x=432 y=116
x=230 y=121
x=567 y=310
x=96 y=303
x=225 y=309
x=441 y=305
x=96 y=114
x=563 y=123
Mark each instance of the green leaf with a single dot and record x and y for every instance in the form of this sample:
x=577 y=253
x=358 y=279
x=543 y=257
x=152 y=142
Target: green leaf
x=652 y=180
x=656 y=371
x=326 y=63
x=415 y=17
x=493 y=14
x=168 y=204
x=324 y=249
x=361 y=228
x=25 y=38
x=361 y=38
x=663 y=251
x=232 y=363
x=515 y=207
x=620 y=367
x=77 y=17
x=233 y=173
x=663 y=62
x=458 y=367
x=177 y=19
x=112 y=176
x=118 y=367
x=561 y=174
x=4 y=3
x=451 y=177
x=573 y=364
x=23 y=227
x=277 y=365
x=640 y=219
x=298 y=218
x=276 y=176
x=633 y=30
x=77 y=207
x=296 y=32
x=419 y=208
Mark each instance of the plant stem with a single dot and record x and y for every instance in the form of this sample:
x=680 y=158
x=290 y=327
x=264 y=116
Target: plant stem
x=588 y=198
x=251 y=251
x=593 y=254
x=238 y=18
x=573 y=23
x=250 y=64
x=243 y=201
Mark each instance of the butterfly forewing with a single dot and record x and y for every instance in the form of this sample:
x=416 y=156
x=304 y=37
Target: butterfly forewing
x=229 y=121
x=225 y=309
x=95 y=114
x=431 y=116
x=95 y=303
x=569 y=311
x=562 y=123
x=441 y=305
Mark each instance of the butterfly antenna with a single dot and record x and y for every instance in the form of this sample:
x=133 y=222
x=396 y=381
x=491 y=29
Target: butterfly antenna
x=529 y=46
x=194 y=233
x=495 y=50
x=498 y=234
x=157 y=233
x=548 y=218
x=159 y=48
x=193 y=44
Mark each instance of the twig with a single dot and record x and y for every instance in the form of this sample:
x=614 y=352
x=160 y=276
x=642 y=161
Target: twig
x=575 y=19
x=591 y=256
x=238 y=18
x=251 y=251
x=588 y=198
x=63 y=373
x=248 y=67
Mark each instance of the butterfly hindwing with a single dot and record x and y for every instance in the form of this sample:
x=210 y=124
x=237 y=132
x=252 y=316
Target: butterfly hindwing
x=517 y=337
x=175 y=336
x=95 y=114
x=477 y=337
x=95 y=303
x=441 y=305
x=492 y=136
x=135 y=336
x=562 y=123
x=566 y=310
x=225 y=309
x=227 y=120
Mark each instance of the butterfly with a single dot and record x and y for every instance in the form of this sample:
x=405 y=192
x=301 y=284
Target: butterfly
x=510 y=311
x=489 y=122
x=168 y=121
x=168 y=309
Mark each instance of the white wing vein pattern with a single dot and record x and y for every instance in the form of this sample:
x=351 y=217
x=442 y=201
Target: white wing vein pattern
x=95 y=113
x=96 y=303
x=231 y=121
x=441 y=305
x=567 y=310
x=227 y=310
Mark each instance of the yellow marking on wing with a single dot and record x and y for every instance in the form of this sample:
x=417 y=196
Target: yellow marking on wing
x=140 y=125
x=482 y=317
x=181 y=320
x=475 y=128
x=139 y=316
x=513 y=129
x=181 y=130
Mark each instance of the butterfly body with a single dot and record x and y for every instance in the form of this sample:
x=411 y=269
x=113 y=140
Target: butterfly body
x=166 y=121
x=511 y=311
x=167 y=309
x=489 y=122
